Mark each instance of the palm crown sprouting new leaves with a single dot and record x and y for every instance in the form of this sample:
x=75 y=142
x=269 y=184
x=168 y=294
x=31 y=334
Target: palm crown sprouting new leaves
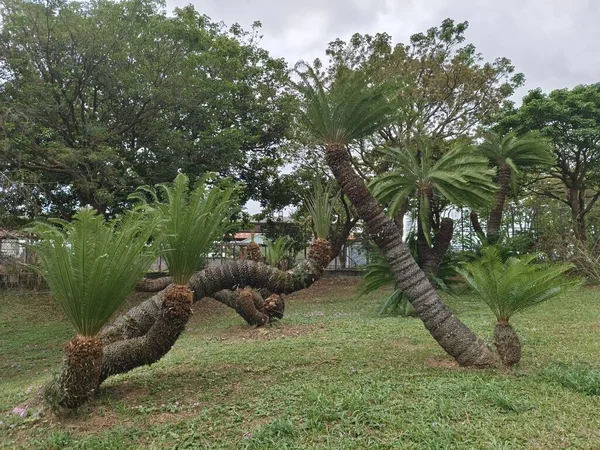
x=91 y=265
x=194 y=220
x=517 y=151
x=459 y=175
x=338 y=112
x=320 y=206
x=515 y=284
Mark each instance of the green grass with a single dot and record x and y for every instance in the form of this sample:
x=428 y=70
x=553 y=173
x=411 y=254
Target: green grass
x=331 y=375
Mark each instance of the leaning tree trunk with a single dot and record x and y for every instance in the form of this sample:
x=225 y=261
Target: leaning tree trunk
x=80 y=374
x=452 y=335
x=495 y=219
x=147 y=331
x=507 y=343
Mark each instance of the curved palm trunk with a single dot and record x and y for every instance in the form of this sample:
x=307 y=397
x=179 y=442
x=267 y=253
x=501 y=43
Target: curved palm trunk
x=507 y=343
x=147 y=331
x=452 y=335
x=493 y=226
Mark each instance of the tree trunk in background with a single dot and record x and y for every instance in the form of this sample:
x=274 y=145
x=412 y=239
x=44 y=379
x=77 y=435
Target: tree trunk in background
x=495 y=220
x=430 y=258
x=452 y=335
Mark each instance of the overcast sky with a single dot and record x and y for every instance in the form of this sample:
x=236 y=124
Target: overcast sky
x=555 y=43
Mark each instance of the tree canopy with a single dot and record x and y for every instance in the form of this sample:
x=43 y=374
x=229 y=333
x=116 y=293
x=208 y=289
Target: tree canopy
x=100 y=97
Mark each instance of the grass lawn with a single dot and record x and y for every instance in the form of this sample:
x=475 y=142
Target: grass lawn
x=330 y=375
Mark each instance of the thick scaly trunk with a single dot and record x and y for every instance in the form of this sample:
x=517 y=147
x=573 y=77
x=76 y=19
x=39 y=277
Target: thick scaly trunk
x=495 y=219
x=430 y=258
x=452 y=335
x=507 y=343
x=80 y=374
x=147 y=331
x=252 y=306
x=153 y=284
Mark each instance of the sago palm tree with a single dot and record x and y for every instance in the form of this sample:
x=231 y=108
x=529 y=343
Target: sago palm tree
x=511 y=286
x=91 y=266
x=337 y=113
x=320 y=207
x=277 y=250
x=193 y=220
x=458 y=176
x=511 y=154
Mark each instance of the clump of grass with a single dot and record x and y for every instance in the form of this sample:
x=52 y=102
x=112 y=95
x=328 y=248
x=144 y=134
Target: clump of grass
x=574 y=376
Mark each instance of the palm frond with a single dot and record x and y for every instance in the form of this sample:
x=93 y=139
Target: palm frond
x=91 y=266
x=320 y=206
x=461 y=176
x=194 y=220
x=342 y=110
x=517 y=151
x=277 y=249
x=515 y=284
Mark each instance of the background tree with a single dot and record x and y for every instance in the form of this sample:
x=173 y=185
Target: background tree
x=570 y=119
x=98 y=98
x=510 y=154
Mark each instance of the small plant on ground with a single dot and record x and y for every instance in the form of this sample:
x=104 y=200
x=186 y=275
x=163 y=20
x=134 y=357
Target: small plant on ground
x=320 y=206
x=510 y=286
x=91 y=266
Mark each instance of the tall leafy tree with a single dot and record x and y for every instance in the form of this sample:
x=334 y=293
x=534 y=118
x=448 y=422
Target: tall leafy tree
x=337 y=114
x=570 y=119
x=511 y=154
x=101 y=97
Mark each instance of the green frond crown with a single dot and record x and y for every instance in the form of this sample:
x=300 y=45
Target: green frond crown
x=320 y=206
x=342 y=110
x=194 y=220
x=459 y=175
x=517 y=151
x=277 y=249
x=515 y=284
x=91 y=265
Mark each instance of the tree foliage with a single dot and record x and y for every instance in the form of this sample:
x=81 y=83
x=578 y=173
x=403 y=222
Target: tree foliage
x=101 y=97
x=570 y=119
x=193 y=220
x=91 y=266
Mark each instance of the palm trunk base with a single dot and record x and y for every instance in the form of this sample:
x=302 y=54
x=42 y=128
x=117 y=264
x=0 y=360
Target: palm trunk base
x=507 y=343
x=178 y=301
x=320 y=252
x=80 y=374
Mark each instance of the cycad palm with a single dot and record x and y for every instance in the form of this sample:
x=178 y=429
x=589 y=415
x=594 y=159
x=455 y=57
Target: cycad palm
x=511 y=153
x=320 y=206
x=349 y=109
x=459 y=175
x=511 y=286
x=194 y=220
x=91 y=266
